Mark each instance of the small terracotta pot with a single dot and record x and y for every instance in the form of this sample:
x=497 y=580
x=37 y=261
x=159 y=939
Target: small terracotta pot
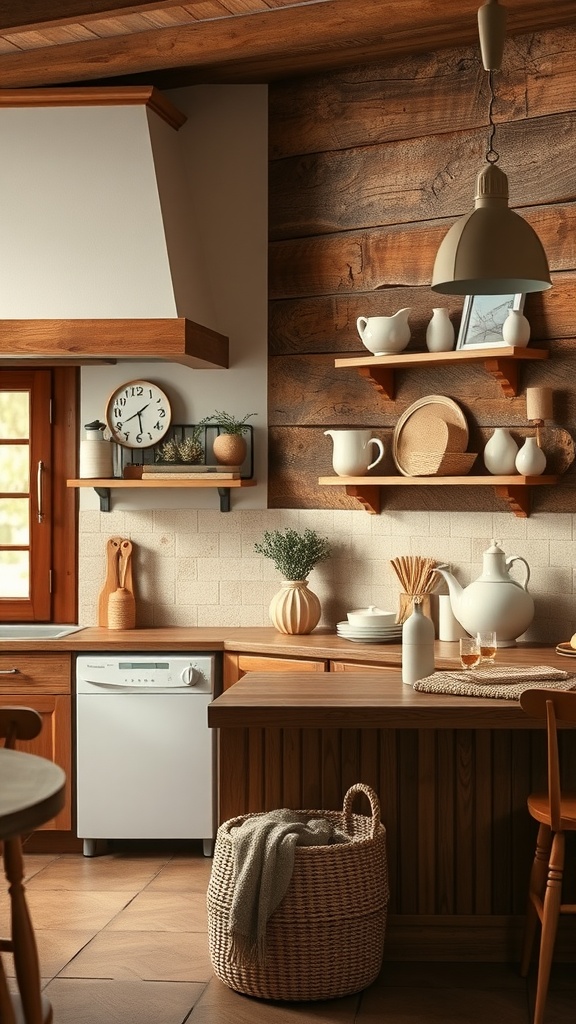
x=229 y=449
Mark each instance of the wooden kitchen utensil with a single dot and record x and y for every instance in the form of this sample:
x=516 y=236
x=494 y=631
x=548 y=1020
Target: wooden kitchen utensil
x=111 y=579
x=121 y=603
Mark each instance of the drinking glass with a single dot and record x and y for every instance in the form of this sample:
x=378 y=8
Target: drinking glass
x=469 y=652
x=487 y=643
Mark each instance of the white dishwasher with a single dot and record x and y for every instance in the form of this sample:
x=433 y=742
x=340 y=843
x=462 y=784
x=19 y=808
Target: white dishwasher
x=145 y=757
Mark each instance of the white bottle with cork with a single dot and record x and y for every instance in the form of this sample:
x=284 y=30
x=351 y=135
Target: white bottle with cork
x=417 y=645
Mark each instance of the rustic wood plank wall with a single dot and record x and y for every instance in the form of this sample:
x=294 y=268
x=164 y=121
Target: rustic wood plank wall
x=368 y=168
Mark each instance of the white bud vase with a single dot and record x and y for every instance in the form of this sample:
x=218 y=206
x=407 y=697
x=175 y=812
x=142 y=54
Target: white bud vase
x=530 y=460
x=417 y=646
x=440 y=332
x=500 y=453
x=295 y=609
x=516 y=329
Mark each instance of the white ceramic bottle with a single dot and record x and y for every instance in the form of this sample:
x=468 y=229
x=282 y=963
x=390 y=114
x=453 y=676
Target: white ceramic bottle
x=95 y=452
x=530 y=460
x=417 y=646
x=516 y=329
x=440 y=332
x=500 y=453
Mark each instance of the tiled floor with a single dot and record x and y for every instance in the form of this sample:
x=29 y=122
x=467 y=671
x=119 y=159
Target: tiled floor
x=122 y=940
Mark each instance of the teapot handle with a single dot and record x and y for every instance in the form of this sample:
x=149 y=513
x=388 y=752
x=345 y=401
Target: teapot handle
x=380 y=447
x=518 y=558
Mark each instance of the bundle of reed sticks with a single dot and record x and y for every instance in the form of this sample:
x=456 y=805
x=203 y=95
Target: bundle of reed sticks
x=418 y=578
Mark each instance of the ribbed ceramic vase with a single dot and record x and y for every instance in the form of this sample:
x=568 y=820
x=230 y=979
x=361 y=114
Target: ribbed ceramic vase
x=530 y=460
x=295 y=608
x=440 y=333
x=500 y=453
x=516 y=329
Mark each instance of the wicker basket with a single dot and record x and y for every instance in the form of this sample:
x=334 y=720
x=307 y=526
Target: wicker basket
x=326 y=939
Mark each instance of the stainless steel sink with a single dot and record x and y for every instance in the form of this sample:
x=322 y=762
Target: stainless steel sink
x=36 y=631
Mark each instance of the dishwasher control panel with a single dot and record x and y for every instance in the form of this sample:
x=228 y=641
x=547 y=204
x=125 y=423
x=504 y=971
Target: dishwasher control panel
x=145 y=672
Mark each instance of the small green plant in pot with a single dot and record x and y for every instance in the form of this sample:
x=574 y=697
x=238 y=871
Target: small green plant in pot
x=229 y=446
x=294 y=609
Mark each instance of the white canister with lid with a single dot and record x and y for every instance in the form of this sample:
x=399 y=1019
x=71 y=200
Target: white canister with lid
x=417 y=646
x=95 y=452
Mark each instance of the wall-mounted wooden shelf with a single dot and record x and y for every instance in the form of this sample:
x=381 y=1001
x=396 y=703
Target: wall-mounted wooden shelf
x=515 y=490
x=104 y=487
x=502 y=363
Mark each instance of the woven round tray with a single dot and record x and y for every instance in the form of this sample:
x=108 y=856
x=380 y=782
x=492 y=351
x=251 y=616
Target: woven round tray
x=326 y=939
x=435 y=423
x=441 y=464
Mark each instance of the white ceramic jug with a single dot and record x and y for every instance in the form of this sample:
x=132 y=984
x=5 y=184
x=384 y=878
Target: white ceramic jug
x=385 y=335
x=351 y=454
x=95 y=452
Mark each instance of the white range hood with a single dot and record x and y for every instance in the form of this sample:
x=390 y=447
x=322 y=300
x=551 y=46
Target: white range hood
x=99 y=255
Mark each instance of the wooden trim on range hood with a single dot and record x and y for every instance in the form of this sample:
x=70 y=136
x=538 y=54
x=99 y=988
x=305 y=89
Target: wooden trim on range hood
x=175 y=340
x=92 y=96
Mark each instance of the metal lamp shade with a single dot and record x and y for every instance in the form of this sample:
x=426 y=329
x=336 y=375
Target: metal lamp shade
x=491 y=251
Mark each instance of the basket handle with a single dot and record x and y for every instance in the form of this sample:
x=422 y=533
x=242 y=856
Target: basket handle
x=361 y=787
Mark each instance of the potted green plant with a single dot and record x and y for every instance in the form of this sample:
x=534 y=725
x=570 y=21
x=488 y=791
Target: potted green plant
x=295 y=608
x=229 y=446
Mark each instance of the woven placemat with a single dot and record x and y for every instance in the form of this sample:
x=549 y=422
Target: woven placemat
x=506 y=683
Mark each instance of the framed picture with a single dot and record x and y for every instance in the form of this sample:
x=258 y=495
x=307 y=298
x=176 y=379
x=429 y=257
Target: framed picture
x=482 y=319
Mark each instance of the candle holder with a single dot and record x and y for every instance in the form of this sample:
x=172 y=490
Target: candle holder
x=538 y=408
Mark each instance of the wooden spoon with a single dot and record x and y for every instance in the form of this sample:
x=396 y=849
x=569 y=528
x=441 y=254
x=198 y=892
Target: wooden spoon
x=111 y=579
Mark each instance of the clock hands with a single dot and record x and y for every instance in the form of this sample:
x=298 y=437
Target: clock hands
x=138 y=414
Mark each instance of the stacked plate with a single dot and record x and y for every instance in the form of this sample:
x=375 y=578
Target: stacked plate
x=566 y=649
x=391 y=634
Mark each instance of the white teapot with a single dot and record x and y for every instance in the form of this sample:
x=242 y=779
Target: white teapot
x=495 y=601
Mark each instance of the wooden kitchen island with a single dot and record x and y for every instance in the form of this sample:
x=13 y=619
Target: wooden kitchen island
x=452 y=774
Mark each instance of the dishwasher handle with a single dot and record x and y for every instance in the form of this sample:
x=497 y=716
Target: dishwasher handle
x=121 y=685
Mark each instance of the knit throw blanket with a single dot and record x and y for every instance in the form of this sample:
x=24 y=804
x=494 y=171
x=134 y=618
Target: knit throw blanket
x=505 y=683
x=263 y=850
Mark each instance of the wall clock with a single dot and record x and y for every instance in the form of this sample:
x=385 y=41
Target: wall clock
x=138 y=414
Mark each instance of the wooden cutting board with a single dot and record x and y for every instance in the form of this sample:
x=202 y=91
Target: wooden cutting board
x=111 y=579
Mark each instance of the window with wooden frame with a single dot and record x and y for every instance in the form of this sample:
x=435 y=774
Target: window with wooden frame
x=38 y=519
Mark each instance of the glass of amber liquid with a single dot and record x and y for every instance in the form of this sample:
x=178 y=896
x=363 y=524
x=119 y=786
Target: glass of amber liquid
x=469 y=652
x=487 y=643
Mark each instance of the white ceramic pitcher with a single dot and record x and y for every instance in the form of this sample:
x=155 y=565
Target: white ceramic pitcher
x=352 y=451
x=385 y=335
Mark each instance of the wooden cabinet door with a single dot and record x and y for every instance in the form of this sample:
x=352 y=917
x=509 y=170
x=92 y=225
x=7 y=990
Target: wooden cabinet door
x=43 y=682
x=237 y=665
x=53 y=743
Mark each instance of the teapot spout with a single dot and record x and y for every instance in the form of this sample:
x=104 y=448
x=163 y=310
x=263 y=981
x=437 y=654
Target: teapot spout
x=454 y=589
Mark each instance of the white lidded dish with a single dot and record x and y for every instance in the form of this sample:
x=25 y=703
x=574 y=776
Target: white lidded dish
x=371 y=616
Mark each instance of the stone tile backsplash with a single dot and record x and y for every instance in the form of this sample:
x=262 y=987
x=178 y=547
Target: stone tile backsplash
x=199 y=568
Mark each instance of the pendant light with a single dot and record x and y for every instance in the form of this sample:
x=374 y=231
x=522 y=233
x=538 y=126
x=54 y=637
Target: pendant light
x=491 y=251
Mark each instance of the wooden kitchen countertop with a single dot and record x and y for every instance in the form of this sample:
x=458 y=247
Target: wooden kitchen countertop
x=322 y=644
x=356 y=700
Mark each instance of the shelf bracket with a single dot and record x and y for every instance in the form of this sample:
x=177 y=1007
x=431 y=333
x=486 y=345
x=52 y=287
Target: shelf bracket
x=518 y=498
x=368 y=496
x=505 y=371
x=224 y=493
x=104 y=495
x=382 y=377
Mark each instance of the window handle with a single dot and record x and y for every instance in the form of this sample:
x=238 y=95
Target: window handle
x=39 y=483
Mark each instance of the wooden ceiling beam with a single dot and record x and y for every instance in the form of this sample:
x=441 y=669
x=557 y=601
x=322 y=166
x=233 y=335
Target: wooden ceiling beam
x=281 y=41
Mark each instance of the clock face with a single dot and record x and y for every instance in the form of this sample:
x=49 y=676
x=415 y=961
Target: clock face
x=138 y=414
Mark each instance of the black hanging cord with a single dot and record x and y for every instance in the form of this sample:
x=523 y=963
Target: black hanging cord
x=492 y=155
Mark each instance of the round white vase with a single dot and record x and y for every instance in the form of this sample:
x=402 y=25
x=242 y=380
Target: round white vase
x=530 y=460
x=516 y=329
x=440 y=333
x=500 y=453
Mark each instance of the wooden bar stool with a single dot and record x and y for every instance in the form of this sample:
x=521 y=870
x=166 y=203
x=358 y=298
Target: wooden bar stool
x=556 y=813
x=32 y=791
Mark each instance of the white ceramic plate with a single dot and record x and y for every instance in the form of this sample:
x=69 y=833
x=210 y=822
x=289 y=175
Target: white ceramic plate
x=567 y=650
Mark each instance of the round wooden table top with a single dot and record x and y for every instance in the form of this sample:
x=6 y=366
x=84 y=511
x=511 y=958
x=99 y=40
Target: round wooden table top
x=32 y=790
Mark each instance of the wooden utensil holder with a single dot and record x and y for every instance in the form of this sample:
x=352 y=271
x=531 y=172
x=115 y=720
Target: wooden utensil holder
x=121 y=609
x=406 y=606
